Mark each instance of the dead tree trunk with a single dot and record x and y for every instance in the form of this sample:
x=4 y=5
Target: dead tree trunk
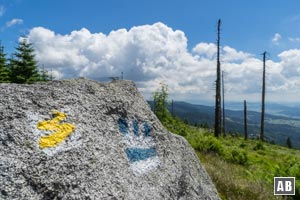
x=218 y=88
x=223 y=100
x=262 y=123
x=245 y=120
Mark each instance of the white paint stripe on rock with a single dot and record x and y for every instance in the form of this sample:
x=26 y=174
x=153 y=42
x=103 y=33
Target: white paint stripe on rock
x=145 y=166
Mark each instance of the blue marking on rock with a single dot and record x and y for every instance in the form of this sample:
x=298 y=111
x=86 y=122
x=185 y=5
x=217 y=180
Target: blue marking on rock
x=147 y=129
x=138 y=154
x=136 y=128
x=143 y=151
x=123 y=126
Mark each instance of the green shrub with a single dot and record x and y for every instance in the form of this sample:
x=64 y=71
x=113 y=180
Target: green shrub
x=297 y=191
x=259 y=146
x=182 y=132
x=295 y=170
x=278 y=171
x=239 y=157
x=261 y=152
x=210 y=144
x=243 y=145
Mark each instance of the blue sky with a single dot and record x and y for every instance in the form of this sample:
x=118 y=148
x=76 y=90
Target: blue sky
x=246 y=25
x=248 y=29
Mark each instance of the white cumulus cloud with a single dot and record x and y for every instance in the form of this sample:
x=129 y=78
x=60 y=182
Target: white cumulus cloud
x=290 y=62
x=276 y=38
x=230 y=54
x=14 y=22
x=151 y=54
x=208 y=50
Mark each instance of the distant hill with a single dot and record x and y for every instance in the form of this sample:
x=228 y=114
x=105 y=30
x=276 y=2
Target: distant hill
x=283 y=123
x=289 y=110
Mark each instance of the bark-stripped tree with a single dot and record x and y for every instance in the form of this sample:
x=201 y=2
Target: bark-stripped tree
x=262 y=124
x=218 y=87
x=245 y=120
x=223 y=106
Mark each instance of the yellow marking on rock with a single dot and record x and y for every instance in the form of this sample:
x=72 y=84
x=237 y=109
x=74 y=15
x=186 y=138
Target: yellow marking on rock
x=60 y=131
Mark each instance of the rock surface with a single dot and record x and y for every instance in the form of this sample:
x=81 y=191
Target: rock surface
x=107 y=145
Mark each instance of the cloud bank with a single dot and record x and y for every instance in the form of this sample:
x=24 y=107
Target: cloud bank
x=151 y=54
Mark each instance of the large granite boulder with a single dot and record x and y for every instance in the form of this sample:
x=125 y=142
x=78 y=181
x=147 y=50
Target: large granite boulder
x=81 y=139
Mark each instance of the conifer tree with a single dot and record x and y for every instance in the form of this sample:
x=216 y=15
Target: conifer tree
x=4 y=71
x=23 y=65
x=160 y=101
x=44 y=75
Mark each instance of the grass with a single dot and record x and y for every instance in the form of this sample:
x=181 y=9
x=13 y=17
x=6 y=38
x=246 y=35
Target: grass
x=233 y=181
x=241 y=170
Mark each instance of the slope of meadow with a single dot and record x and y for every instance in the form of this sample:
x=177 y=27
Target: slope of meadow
x=240 y=169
